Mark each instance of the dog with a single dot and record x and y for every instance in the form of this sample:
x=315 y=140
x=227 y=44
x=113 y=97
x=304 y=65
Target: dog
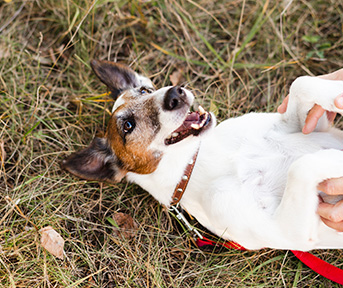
x=254 y=178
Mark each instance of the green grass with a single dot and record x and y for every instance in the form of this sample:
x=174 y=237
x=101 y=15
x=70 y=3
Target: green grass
x=237 y=56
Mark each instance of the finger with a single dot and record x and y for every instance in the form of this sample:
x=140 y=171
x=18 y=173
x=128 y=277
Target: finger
x=339 y=104
x=331 y=116
x=312 y=118
x=333 y=186
x=337 y=75
x=339 y=101
x=283 y=107
x=337 y=226
x=331 y=212
x=320 y=199
x=324 y=210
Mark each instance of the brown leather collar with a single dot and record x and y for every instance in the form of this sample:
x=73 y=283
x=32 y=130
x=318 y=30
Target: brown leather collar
x=182 y=185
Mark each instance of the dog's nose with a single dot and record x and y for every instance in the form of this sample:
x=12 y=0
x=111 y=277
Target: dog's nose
x=174 y=98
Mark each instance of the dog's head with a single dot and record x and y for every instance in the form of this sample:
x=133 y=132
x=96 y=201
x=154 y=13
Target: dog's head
x=144 y=123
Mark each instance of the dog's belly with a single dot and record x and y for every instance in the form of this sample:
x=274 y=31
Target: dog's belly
x=263 y=153
x=262 y=166
x=263 y=177
x=244 y=186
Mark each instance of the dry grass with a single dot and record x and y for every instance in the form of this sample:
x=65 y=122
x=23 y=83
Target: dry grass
x=237 y=56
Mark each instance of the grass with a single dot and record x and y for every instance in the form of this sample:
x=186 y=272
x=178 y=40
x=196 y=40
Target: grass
x=238 y=56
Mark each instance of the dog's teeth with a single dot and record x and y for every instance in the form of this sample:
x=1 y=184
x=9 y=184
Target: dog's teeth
x=169 y=137
x=195 y=126
x=201 y=110
x=175 y=134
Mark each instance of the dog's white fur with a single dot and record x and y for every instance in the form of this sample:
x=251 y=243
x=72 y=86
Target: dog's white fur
x=255 y=178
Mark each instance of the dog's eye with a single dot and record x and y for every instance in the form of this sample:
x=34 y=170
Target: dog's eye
x=144 y=90
x=128 y=126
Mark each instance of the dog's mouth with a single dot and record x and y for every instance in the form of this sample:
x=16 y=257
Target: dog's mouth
x=194 y=124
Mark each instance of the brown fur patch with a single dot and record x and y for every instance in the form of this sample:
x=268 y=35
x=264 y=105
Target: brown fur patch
x=132 y=149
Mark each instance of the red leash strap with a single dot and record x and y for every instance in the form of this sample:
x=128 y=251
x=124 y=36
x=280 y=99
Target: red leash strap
x=227 y=244
x=317 y=265
x=320 y=266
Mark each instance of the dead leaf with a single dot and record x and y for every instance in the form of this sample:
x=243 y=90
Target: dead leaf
x=127 y=226
x=52 y=241
x=175 y=77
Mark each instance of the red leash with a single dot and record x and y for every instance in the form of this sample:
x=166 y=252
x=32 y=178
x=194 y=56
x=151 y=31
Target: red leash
x=323 y=268
x=227 y=244
x=320 y=266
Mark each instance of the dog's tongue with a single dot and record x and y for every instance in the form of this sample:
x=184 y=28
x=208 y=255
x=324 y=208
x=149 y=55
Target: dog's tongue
x=190 y=120
x=192 y=125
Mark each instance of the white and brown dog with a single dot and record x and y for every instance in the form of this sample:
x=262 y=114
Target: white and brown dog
x=255 y=176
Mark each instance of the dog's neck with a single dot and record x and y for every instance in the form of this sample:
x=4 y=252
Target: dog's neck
x=182 y=185
x=162 y=182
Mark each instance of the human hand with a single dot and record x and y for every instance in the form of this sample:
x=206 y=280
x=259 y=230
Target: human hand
x=332 y=214
x=317 y=111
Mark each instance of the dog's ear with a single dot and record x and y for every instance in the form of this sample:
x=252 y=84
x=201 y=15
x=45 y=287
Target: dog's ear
x=116 y=76
x=96 y=162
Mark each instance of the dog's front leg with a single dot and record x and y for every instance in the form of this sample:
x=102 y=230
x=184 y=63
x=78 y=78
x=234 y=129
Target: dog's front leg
x=296 y=215
x=306 y=91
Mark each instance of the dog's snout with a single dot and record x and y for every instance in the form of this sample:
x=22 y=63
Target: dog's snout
x=174 y=98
